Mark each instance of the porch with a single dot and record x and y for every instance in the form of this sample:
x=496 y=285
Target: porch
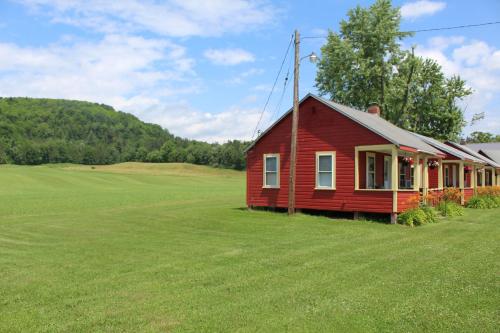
x=400 y=170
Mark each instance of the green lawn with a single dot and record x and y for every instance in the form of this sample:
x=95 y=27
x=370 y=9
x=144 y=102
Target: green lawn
x=145 y=248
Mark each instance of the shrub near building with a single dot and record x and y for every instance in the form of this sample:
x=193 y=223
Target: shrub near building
x=486 y=197
x=426 y=209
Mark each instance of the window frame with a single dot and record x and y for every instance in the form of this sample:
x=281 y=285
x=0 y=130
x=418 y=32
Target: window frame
x=374 y=155
x=333 y=155
x=402 y=170
x=265 y=172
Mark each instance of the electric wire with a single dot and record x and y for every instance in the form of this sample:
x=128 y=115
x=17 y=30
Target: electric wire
x=274 y=85
x=285 y=83
x=430 y=29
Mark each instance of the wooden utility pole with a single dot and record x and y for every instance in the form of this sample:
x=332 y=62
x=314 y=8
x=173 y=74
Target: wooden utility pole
x=295 y=123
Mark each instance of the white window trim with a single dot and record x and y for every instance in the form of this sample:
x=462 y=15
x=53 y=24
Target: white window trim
x=278 y=173
x=368 y=155
x=333 y=154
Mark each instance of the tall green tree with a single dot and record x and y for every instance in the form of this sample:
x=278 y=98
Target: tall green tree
x=481 y=137
x=365 y=63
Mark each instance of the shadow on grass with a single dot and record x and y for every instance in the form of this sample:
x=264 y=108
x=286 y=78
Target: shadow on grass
x=335 y=215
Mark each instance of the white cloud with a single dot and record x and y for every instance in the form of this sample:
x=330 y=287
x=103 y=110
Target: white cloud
x=117 y=70
x=416 y=9
x=146 y=77
x=181 y=119
x=179 y=18
x=228 y=57
x=242 y=77
x=479 y=64
x=262 y=88
x=441 y=43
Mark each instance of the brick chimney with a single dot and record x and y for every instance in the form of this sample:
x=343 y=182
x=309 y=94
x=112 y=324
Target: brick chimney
x=374 y=109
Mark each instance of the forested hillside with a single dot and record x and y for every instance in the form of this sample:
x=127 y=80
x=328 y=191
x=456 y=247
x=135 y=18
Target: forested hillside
x=37 y=131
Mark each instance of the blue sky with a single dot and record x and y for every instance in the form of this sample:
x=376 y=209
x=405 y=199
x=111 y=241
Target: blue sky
x=203 y=69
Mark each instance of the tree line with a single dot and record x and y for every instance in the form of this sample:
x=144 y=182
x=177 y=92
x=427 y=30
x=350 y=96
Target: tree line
x=38 y=131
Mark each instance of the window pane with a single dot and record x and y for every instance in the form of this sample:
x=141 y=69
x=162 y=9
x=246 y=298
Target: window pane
x=271 y=164
x=271 y=179
x=371 y=180
x=325 y=179
x=325 y=163
x=371 y=163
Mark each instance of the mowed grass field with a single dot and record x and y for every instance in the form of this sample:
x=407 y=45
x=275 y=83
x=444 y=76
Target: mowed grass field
x=159 y=248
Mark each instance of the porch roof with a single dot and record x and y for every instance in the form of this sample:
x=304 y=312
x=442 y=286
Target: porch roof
x=493 y=155
x=450 y=150
x=476 y=154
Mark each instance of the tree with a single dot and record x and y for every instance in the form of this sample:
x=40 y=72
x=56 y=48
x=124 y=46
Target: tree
x=481 y=137
x=365 y=63
x=38 y=130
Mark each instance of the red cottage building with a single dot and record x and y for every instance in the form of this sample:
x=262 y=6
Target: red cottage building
x=347 y=160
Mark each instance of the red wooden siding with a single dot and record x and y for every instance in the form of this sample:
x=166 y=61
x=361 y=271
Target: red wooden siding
x=433 y=177
x=320 y=129
x=405 y=199
x=468 y=193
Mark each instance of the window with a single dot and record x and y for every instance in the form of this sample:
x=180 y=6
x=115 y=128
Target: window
x=488 y=177
x=325 y=170
x=406 y=174
x=370 y=170
x=272 y=170
x=387 y=172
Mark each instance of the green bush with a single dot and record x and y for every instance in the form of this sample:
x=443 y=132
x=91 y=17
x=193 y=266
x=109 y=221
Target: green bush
x=450 y=208
x=418 y=216
x=430 y=214
x=484 y=202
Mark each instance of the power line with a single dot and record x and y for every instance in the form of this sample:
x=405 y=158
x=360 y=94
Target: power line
x=274 y=85
x=278 y=106
x=456 y=27
x=430 y=29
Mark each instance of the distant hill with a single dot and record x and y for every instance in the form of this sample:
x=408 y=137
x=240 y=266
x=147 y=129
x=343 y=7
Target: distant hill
x=39 y=130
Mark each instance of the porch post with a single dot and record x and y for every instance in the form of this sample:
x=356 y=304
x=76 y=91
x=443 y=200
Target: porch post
x=483 y=177
x=461 y=181
x=356 y=168
x=426 y=177
x=416 y=172
x=394 y=184
x=440 y=174
x=473 y=178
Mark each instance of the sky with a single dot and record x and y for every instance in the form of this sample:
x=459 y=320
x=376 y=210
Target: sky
x=204 y=69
